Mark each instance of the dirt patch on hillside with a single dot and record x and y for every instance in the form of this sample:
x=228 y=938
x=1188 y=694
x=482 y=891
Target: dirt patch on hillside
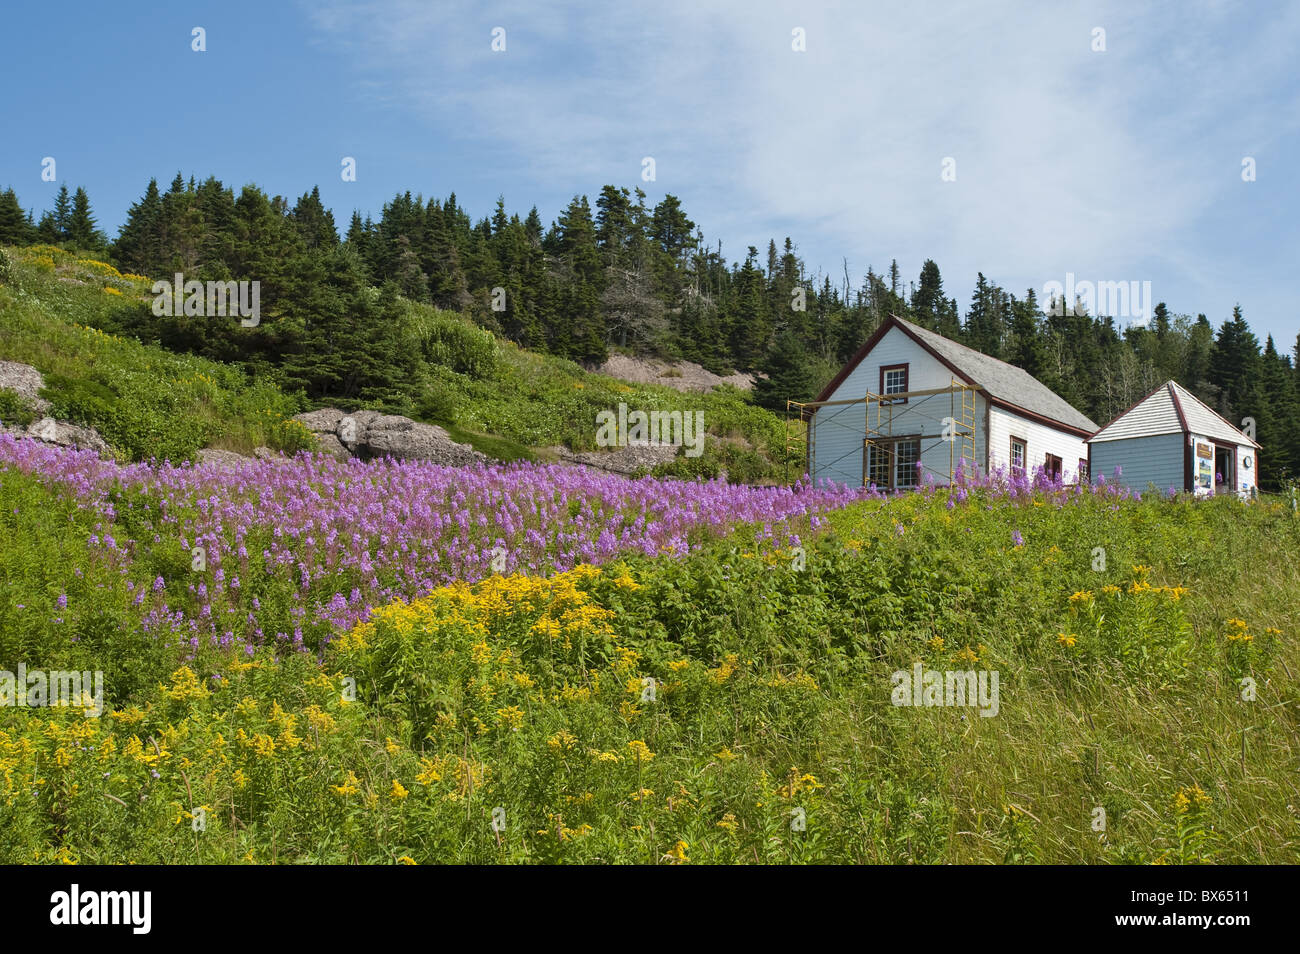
x=684 y=376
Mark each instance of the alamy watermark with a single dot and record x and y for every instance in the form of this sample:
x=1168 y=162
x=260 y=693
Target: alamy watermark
x=131 y=909
x=196 y=299
x=652 y=428
x=1116 y=299
x=931 y=687
x=39 y=688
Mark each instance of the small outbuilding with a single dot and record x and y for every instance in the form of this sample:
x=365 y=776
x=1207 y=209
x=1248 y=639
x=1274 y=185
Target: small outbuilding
x=1172 y=439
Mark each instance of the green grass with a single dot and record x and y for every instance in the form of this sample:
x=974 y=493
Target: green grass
x=498 y=448
x=773 y=702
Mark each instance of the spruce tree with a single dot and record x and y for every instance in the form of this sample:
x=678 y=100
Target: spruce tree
x=14 y=228
x=81 y=229
x=139 y=243
x=1233 y=361
x=62 y=214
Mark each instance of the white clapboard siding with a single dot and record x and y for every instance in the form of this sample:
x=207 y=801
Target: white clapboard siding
x=1154 y=415
x=1247 y=477
x=1155 y=460
x=1040 y=439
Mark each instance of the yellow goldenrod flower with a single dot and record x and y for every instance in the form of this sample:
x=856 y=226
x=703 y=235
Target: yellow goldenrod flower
x=351 y=785
x=677 y=854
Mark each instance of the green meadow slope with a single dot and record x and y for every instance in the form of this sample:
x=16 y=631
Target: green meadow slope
x=1146 y=712
x=87 y=328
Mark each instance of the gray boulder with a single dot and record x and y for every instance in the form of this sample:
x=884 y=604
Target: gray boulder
x=213 y=455
x=50 y=431
x=628 y=460
x=324 y=421
x=26 y=382
x=405 y=439
x=369 y=434
x=331 y=445
x=352 y=428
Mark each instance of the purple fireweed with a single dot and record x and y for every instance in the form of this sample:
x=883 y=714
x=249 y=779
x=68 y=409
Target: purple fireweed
x=341 y=537
x=348 y=536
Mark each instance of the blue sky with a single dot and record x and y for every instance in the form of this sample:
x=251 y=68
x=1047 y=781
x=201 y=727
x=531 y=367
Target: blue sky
x=1115 y=165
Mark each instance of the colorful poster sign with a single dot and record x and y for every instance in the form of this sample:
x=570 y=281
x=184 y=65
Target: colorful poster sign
x=1204 y=467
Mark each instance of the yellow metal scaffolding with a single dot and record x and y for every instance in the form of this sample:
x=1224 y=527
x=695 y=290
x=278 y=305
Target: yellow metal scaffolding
x=958 y=426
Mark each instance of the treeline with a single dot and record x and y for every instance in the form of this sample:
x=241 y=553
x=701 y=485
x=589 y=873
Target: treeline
x=627 y=275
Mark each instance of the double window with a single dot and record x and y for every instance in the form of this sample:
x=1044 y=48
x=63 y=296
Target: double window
x=891 y=463
x=1052 y=466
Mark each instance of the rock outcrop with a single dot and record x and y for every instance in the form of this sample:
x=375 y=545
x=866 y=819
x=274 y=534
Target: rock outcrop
x=364 y=434
x=368 y=434
x=213 y=455
x=26 y=382
x=50 y=431
x=629 y=460
x=685 y=376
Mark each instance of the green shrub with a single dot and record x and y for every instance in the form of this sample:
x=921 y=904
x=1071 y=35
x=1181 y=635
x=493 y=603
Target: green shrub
x=440 y=402
x=80 y=400
x=14 y=410
x=448 y=341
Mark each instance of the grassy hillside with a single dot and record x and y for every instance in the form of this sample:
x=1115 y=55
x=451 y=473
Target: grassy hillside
x=478 y=383
x=86 y=327
x=145 y=401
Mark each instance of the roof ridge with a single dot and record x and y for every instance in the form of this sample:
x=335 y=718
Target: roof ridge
x=1177 y=392
x=1207 y=407
x=1173 y=387
x=953 y=341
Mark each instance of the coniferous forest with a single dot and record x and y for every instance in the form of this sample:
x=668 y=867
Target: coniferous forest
x=621 y=275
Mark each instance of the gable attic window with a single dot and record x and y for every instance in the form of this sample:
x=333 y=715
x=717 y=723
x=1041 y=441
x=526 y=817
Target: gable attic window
x=893 y=380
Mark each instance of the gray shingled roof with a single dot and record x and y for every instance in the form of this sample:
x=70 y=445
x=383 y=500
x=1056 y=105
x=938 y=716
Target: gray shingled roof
x=1158 y=414
x=1003 y=381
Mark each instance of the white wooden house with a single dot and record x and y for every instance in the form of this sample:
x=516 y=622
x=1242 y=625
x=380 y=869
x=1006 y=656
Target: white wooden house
x=1171 y=439
x=912 y=396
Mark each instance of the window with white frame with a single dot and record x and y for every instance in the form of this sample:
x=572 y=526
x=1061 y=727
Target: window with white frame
x=893 y=380
x=907 y=454
x=1018 y=447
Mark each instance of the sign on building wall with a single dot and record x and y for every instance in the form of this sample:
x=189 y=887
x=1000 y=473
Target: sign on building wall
x=1204 y=468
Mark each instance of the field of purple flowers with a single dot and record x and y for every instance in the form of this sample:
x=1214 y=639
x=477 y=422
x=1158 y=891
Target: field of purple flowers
x=295 y=550
x=298 y=661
